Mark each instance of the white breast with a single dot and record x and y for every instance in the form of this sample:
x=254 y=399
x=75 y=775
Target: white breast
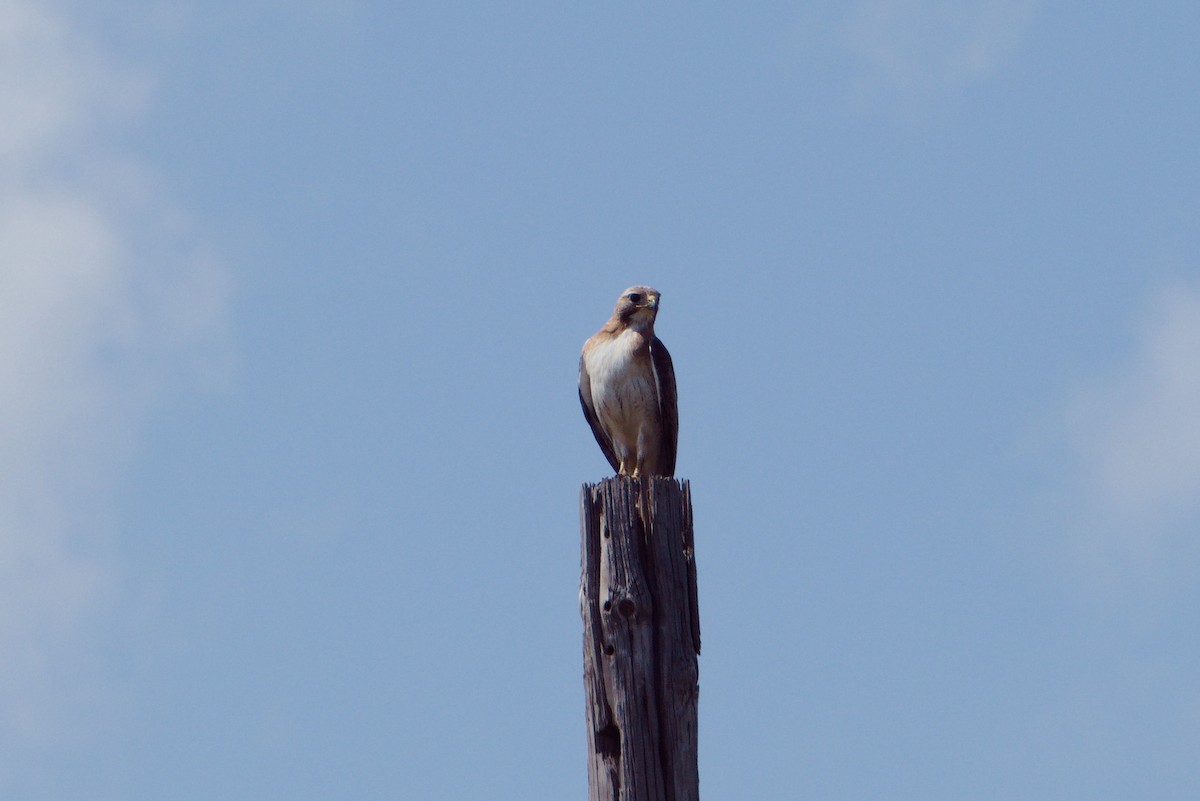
x=624 y=393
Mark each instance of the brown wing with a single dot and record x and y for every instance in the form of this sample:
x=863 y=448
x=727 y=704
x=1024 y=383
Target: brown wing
x=668 y=404
x=589 y=411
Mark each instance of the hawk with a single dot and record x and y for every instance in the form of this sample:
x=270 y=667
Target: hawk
x=627 y=389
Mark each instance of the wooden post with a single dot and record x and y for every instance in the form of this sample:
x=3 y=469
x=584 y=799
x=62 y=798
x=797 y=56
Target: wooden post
x=641 y=639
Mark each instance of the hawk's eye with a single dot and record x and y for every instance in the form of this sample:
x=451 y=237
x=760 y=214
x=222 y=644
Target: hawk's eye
x=634 y=297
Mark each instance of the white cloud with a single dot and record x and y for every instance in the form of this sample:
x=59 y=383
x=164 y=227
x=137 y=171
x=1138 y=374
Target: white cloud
x=1132 y=480
x=60 y=83
x=102 y=297
x=916 y=49
x=1140 y=433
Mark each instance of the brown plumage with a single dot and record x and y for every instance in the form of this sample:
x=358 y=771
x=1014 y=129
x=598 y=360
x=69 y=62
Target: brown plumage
x=627 y=389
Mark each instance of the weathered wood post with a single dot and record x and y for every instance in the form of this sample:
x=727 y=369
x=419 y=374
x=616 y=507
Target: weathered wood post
x=641 y=639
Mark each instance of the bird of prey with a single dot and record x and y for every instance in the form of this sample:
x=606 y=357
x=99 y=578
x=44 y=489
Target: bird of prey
x=627 y=389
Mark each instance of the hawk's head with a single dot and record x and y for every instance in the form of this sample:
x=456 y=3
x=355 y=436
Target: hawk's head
x=637 y=307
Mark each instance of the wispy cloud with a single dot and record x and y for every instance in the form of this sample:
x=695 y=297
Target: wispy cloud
x=104 y=299
x=1135 y=439
x=915 y=50
x=1140 y=432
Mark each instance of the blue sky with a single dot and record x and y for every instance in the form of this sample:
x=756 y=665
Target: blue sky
x=292 y=301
